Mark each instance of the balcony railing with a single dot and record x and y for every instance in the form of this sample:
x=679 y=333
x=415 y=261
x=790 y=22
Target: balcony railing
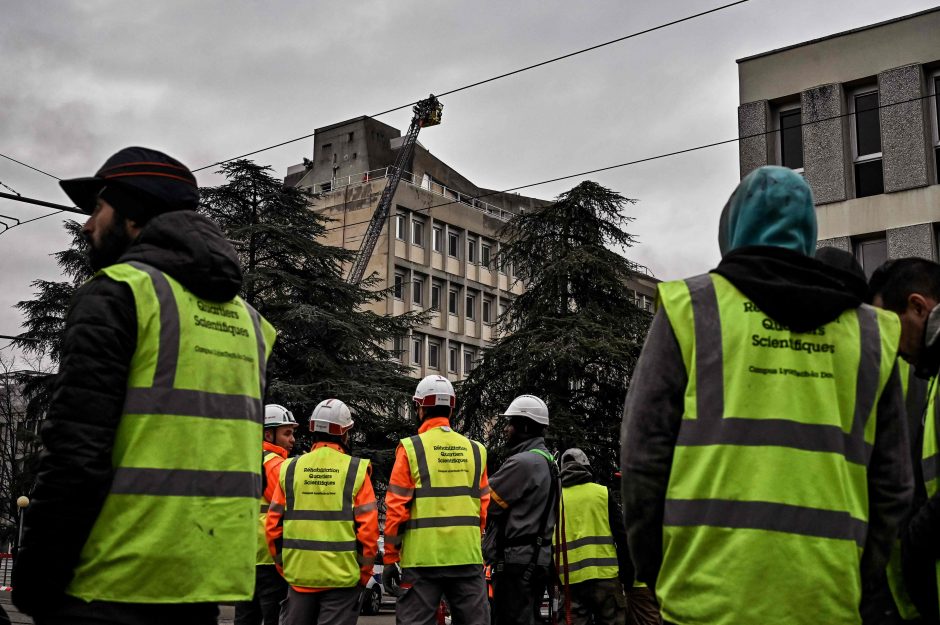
x=410 y=178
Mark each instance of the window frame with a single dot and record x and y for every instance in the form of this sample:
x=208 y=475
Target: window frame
x=782 y=110
x=417 y=232
x=435 y=289
x=437 y=239
x=453 y=359
x=453 y=299
x=400 y=226
x=858 y=244
x=417 y=291
x=417 y=350
x=933 y=88
x=434 y=355
x=467 y=361
x=398 y=289
x=486 y=254
x=487 y=313
x=453 y=245
x=471 y=251
x=470 y=304
x=863 y=159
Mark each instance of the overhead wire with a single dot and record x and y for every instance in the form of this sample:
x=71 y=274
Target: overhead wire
x=10 y=158
x=643 y=160
x=494 y=78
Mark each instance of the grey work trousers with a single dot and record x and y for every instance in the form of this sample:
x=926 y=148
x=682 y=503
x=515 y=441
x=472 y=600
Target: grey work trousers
x=337 y=606
x=465 y=594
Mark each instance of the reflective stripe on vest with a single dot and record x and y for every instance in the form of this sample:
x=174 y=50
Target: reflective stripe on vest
x=263 y=555
x=175 y=505
x=588 y=540
x=771 y=457
x=320 y=549
x=444 y=528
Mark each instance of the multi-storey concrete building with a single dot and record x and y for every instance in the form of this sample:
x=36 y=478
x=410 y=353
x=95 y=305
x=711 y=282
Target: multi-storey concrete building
x=855 y=113
x=438 y=247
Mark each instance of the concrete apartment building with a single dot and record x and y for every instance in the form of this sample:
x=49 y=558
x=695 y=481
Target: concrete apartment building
x=873 y=162
x=438 y=245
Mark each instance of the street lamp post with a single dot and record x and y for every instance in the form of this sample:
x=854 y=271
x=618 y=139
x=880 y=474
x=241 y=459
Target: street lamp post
x=22 y=501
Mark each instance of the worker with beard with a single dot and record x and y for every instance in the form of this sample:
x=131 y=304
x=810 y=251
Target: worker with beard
x=146 y=500
x=764 y=450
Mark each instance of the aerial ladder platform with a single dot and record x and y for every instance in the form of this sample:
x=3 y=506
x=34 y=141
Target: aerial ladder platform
x=426 y=113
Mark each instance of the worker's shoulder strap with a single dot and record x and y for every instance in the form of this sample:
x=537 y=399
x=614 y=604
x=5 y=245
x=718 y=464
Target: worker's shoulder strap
x=544 y=454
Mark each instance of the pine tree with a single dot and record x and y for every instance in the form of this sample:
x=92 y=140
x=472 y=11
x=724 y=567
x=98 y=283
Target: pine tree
x=573 y=337
x=329 y=344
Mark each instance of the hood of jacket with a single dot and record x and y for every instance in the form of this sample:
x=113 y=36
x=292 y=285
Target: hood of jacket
x=767 y=236
x=573 y=474
x=192 y=249
x=537 y=442
x=772 y=206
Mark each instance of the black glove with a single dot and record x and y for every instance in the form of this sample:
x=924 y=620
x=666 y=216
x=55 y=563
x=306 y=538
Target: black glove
x=391 y=579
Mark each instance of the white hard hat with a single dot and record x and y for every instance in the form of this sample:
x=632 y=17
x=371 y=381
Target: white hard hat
x=276 y=415
x=528 y=406
x=331 y=416
x=435 y=390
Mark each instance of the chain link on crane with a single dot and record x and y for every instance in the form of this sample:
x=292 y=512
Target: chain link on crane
x=426 y=113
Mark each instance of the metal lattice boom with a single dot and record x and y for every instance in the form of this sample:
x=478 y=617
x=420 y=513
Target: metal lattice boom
x=426 y=113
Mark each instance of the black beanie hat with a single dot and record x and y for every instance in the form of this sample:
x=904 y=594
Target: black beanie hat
x=139 y=183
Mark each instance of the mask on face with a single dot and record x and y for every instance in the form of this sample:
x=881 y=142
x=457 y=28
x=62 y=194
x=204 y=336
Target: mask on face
x=929 y=363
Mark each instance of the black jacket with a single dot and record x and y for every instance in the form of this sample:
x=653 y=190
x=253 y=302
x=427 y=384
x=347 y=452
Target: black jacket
x=75 y=468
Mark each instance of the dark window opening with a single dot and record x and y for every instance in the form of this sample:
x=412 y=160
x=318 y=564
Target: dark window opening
x=869 y=178
x=350 y=136
x=867 y=124
x=791 y=139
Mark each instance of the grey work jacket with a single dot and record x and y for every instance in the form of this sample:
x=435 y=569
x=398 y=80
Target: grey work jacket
x=523 y=485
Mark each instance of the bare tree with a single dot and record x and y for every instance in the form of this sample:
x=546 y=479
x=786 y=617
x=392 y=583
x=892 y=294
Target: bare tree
x=19 y=439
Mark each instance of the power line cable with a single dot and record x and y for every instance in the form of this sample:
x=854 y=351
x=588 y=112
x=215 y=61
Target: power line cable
x=10 y=158
x=494 y=78
x=644 y=160
x=9 y=188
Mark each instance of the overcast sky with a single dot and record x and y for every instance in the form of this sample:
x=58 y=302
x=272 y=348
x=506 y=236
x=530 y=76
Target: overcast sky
x=209 y=80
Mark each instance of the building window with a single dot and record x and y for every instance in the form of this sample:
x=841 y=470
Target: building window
x=871 y=253
x=417 y=292
x=467 y=362
x=471 y=304
x=435 y=297
x=453 y=244
x=399 y=285
x=485 y=255
x=935 y=83
x=502 y=309
x=417 y=350
x=452 y=302
x=472 y=252
x=438 y=239
x=869 y=173
x=327 y=147
x=487 y=311
x=350 y=136
x=433 y=354
x=400 y=227
x=417 y=233
x=453 y=359
x=398 y=347
x=326 y=187
x=791 y=139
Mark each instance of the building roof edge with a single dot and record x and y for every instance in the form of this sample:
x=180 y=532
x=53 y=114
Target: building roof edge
x=839 y=34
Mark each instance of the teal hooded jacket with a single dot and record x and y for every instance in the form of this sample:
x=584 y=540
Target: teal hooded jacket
x=773 y=206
